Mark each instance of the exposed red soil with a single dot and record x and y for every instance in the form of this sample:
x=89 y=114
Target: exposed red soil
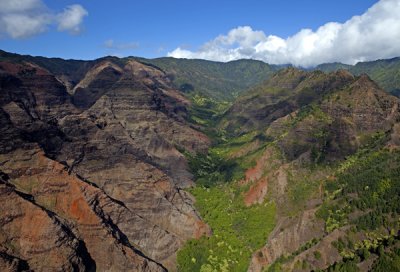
x=255 y=173
x=256 y=193
x=258 y=190
x=201 y=229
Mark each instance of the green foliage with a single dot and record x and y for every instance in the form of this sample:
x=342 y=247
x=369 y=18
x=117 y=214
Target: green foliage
x=276 y=266
x=364 y=253
x=367 y=182
x=229 y=146
x=206 y=111
x=304 y=247
x=237 y=230
x=337 y=218
x=371 y=141
x=323 y=211
x=339 y=244
x=299 y=191
x=317 y=255
x=315 y=135
x=346 y=266
x=218 y=166
x=210 y=169
x=388 y=262
x=375 y=179
x=312 y=110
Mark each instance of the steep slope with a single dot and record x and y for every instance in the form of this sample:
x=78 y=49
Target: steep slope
x=285 y=92
x=67 y=71
x=360 y=116
x=96 y=82
x=341 y=123
x=212 y=86
x=48 y=196
x=107 y=168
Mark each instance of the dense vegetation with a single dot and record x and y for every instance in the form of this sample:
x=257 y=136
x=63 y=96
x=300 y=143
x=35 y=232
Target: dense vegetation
x=365 y=196
x=369 y=184
x=205 y=112
x=238 y=230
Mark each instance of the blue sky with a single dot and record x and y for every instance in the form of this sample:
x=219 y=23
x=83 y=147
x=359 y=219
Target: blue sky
x=155 y=28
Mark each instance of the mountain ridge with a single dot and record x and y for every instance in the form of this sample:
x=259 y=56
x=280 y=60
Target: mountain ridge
x=372 y=68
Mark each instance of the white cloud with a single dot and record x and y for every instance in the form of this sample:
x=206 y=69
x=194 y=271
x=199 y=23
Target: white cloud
x=26 y=18
x=19 y=5
x=71 y=19
x=21 y=25
x=373 y=35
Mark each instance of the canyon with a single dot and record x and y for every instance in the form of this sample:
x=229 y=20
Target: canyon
x=132 y=164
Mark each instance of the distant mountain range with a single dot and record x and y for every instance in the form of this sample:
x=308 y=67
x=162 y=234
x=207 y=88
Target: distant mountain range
x=218 y=80
x=384 y=72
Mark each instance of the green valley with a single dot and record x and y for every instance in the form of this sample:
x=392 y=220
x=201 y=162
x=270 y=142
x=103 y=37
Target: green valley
x=301 y=161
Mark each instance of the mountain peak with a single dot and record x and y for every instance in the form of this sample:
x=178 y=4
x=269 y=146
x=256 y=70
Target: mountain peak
x=365 y=82
x=344 y=73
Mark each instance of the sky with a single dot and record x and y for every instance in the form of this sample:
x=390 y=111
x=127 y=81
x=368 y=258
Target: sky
x=304 y=33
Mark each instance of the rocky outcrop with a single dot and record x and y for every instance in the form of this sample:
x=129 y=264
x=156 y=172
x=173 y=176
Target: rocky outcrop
x=79 y=205
x=96 y=83
x=95 y=153
x=33 y=238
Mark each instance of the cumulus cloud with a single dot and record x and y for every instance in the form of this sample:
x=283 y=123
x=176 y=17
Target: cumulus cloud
x=373 y=35
x=71 y=19
x=26 y=18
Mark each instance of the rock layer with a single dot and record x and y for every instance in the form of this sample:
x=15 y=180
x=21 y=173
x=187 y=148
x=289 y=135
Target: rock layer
x=91 y=159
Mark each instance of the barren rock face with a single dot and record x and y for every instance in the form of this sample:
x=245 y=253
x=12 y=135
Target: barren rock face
x=93 y=180
x=74 y=202
x=28 y=232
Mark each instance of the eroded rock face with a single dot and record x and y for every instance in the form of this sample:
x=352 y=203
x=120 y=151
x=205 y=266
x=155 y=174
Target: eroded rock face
x=99 y=169
x=76 y=203
x=29 y=232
